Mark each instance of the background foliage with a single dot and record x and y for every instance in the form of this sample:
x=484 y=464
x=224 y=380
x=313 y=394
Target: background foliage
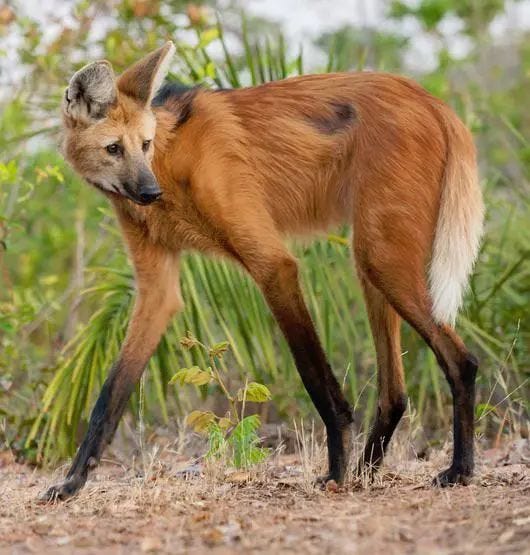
x=66 y=286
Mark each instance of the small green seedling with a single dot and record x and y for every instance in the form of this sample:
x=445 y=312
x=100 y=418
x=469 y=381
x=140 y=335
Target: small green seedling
x=233 y=435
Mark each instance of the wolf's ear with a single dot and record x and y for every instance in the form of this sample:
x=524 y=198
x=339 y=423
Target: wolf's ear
x=142 y=80
x=91 y=92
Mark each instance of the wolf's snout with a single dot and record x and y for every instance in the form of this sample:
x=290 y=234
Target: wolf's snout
x=147 y=189
x=149 y=194
x=143 y=194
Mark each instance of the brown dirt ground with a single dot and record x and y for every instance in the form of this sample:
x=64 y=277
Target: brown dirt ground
x=274 y=510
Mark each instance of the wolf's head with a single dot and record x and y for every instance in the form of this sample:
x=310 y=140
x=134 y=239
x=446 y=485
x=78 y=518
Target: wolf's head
x=109 y=125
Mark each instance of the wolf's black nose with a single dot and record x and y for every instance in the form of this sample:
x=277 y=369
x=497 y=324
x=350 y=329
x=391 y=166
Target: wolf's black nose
x=150 y=195
x=147 y=187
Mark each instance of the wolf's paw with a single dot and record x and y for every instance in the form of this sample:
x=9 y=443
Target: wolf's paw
x=453 y=476
x=62 y=491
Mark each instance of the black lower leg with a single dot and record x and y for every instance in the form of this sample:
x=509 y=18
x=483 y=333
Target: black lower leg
x=385 y=423
x=103 y=422
x=326 y=394
x=282 y=291
x=462 y=386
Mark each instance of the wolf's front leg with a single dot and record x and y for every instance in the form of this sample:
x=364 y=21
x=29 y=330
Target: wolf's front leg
x=104 y=420
x=158 y=300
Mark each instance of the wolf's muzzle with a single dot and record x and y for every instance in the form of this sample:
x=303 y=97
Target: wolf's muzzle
x=147 y=196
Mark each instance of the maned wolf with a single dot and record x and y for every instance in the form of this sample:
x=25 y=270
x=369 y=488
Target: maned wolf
x=231 y=172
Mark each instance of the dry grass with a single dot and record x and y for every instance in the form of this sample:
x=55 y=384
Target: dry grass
x=164 y=503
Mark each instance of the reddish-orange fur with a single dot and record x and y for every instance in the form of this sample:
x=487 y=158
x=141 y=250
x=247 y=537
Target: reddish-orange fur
x=257 y=149
x=240 y=170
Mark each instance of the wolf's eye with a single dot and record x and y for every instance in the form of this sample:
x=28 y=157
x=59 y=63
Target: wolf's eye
x=146 y=145
x=113 y=149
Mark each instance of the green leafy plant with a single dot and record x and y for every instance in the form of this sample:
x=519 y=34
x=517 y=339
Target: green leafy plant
x=232 y=435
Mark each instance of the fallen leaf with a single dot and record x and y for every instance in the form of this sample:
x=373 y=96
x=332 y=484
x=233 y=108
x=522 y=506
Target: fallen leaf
x=522 y=521
x=213 y=536
x=507 y=535
x=35 y=544
x=332 y=486
x=150 y=544
x=238 y=477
